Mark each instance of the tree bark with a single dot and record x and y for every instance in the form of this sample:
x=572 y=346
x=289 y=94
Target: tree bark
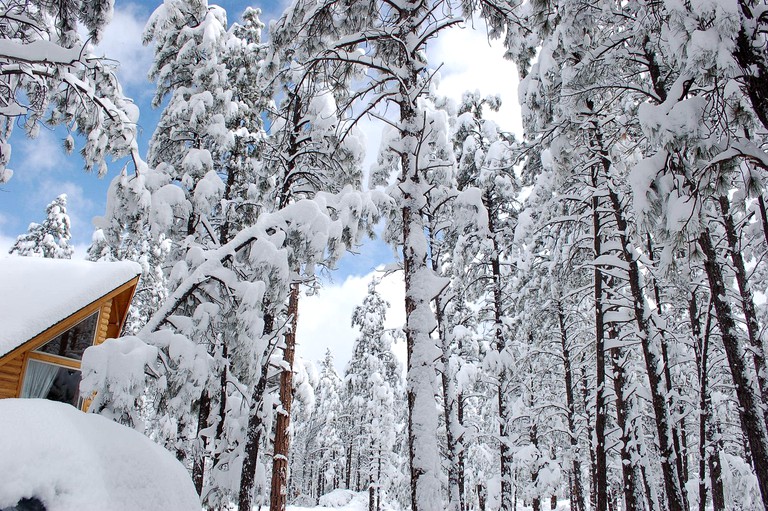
x=632 y=494
x=654 y=365
x=505 y=455
x=747 y=301
x=198 y=465
x=601 y=468
x=534 y=439
x=278 y=496
x=254 y=431
x=223 y=377
x=590 y=435
x=678 y=428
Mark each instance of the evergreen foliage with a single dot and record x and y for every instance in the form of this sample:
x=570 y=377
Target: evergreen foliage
x=49 y=239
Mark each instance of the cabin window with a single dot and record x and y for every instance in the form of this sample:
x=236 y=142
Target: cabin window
x=53 y=369
x=51 y=381
x=72 y=343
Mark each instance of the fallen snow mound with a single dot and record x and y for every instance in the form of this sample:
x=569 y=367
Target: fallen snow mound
x=72 y=460
x=337 y=498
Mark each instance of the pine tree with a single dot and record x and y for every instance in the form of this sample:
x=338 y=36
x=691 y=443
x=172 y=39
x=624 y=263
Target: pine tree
x=49 y=239
x=373 y=397
x=62 y=82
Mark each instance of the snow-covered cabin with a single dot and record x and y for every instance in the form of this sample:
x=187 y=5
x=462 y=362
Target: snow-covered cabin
x=51 y=310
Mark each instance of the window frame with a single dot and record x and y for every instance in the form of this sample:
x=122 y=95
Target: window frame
x=65 y=361
x=68 y=363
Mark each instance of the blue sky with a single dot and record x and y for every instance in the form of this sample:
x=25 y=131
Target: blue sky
x=43 y=170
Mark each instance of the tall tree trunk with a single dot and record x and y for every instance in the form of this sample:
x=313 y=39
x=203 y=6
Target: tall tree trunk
x=678 y=428
x=348 y=474
x=254 y=430
x=753 y=423
x=198 y=464
x=421 y=350
x=533 y=437
x=601 y=467
x=649 y=340
x=223 y=381
x=448 y=387
x=632 y=495
x=577 y=492
x=505 y=454
x=715 y=470
x=590 y=436
x=278 y=496
x=707 y=457
x=461 y=454
x=747 y=301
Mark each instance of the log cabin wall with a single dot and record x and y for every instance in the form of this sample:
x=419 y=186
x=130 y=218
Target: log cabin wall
x=10 y=376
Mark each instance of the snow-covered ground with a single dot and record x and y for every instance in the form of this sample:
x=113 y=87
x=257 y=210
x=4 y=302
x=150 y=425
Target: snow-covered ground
x=70 y=460
x=346 y=500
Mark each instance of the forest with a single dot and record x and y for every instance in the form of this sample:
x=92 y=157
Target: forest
x=585 y=304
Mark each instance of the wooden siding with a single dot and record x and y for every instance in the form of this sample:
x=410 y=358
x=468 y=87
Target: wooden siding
x=104 y=320
x=10 y=377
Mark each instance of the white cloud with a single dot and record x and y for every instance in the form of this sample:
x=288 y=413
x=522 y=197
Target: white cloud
x=43 y=154
x=467 y=61
x=6 y=242
x=325 y=318
x=472 y=62
x=122 y=42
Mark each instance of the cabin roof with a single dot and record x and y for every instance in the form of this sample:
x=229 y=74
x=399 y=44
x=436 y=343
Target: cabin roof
x=37 y=293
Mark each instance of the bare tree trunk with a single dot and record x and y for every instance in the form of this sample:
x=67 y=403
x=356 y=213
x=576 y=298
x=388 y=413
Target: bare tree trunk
x=707 y=457
x=461 y=454
x=481 y=497
x=223 y=380
x=279 y=486
x=716 y=471
x=590 y=436
x=678 y=429
x=505 y=455
x=747 y=300
x=348 y=475
x=455 y=497
x=534 y=439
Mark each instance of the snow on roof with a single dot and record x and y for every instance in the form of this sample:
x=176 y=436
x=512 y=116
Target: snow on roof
x=36 y=293
x=69 y=460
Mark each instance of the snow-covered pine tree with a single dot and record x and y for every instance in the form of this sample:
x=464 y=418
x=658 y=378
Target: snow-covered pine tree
x=485 y=175
x=124 y=233
x=310 y=149
x=328 y=411
x=49 y=239
x=50 y=76
x=228 y=276
x=374 y=402
x=678 y=187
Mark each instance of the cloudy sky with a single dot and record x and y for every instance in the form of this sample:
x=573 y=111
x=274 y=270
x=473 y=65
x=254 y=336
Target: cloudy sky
x=43 y=170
